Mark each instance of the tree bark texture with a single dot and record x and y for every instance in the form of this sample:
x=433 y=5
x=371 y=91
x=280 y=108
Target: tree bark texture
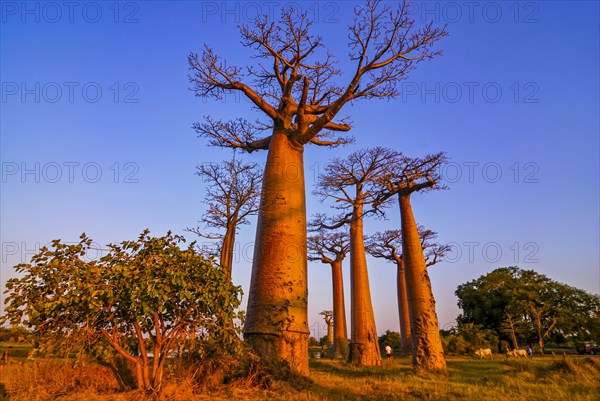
x=403 y=313
x=226 y=257
x=277 y=322
x=364 y=347
x=427 y=352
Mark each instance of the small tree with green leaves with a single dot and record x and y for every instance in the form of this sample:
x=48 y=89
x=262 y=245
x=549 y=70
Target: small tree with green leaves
x=148 y=291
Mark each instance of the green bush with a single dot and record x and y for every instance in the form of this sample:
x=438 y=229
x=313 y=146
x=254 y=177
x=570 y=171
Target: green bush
x=391 y=338
x=467 y=338
x=455 y=345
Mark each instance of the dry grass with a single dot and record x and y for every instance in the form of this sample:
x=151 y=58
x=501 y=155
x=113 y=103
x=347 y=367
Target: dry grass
x=53 y=379
x=548 y=378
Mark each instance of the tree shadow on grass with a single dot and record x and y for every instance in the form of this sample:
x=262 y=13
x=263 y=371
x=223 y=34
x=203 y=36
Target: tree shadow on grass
x=303 y=384
x=348 y=370
x=372 y=385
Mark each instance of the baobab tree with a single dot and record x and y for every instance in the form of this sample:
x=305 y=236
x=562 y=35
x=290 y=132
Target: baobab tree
x=388 y=245
x=300 y=91
x=331 y=248
x=328 y=317
x=418 y=175
x=353 y=183
x=232 y=196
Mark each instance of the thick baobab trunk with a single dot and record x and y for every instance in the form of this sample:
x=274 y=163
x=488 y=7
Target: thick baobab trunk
x=340 y=331
x=226 y=257
x=364 y=347
x=277 y=321
x=404 y=314
x=427 y=352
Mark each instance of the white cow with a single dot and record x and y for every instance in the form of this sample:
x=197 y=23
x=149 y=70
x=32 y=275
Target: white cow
x=484 y=353
x=517 y=353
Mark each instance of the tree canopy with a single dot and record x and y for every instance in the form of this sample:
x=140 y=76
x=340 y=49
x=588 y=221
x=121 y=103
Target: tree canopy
x=298 y=86
x=232 y=195
x=526 y=305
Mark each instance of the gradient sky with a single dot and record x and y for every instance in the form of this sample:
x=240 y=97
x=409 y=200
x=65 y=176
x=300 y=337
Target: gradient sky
x=514 y=102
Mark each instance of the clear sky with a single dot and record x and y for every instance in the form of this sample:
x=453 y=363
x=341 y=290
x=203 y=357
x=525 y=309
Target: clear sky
x=96 y=137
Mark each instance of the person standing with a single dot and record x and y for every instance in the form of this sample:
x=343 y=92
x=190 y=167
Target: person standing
x=529 y=350
x=5 y=356
x=388 y=353
x=135 y=348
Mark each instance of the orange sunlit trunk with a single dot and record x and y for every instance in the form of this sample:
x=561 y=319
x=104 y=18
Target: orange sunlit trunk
x=277 y=322
x=427 y=352
x=364 y=347
x=226 y=257
x=340 y=331
x=403 y=313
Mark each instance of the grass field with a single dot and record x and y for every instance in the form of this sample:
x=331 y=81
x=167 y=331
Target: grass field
x=540 y=378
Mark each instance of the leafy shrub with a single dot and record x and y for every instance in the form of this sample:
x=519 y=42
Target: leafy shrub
x=150 y=291
x=467 y=338
x=455 y=345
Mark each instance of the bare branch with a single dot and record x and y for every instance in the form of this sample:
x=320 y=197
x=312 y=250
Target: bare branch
x=199 y=232
x=232 y=195
x=299 y=86
x=214 y=77
x=335 y=143
x=386 y=46
x=328 y=247
x=235 y=134
x=432 y=251
x=365 y=172
x=322 y=222
x=388 y=245
x=385 y=245
x=413 y=175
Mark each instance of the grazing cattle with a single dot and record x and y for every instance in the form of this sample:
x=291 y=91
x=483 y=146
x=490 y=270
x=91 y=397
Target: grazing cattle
x=517 y=353
x=484 y=353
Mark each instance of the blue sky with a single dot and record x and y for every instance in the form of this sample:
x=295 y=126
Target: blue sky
x=96 y=133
